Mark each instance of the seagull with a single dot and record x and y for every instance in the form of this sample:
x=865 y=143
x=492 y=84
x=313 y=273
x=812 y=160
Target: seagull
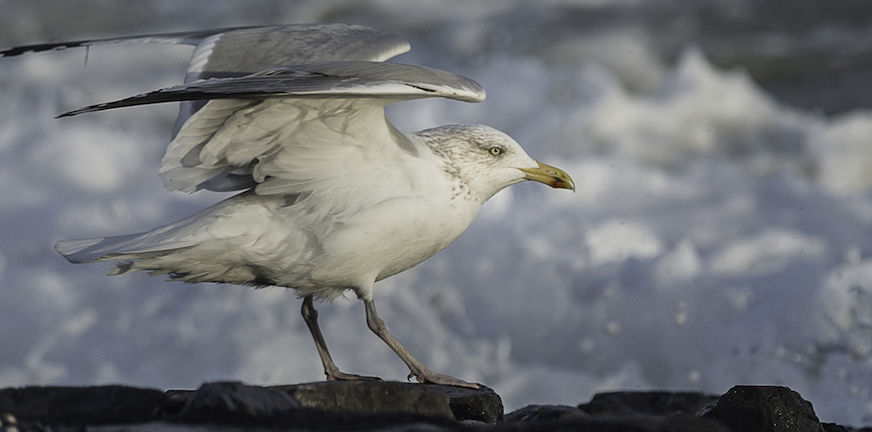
x=333 y=197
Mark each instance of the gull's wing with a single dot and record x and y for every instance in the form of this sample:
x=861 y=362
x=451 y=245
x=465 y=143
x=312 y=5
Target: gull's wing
x=293 y=131
x=289 y=110
x=290 y=130
x=239 y=51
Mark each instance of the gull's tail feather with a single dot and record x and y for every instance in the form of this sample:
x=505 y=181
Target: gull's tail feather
x=159 y=241
x=118 y=248
x=223 y=243
x=93 y=249
x=131 y=251
x=180 y=261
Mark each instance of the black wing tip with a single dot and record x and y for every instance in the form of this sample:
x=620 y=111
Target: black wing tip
x=35 y=48
x=182 y=37
x=134 y=101
x=167 y=95
x=77 y=112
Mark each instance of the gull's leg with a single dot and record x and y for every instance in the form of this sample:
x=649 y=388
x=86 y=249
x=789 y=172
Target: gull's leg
x=418 y=370
x=310 y=315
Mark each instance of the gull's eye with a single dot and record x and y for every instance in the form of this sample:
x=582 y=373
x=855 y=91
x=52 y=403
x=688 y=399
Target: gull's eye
x=496 y=151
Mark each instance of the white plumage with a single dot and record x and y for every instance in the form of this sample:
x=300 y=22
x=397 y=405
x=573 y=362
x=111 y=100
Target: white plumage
x=334 y=197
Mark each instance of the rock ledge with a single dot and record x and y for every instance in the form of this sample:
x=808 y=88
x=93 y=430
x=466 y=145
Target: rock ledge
x=396 y=406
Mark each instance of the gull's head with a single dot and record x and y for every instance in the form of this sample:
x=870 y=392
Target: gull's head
x=487 y=160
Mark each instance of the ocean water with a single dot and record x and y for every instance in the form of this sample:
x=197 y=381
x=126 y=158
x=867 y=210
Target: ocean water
x=721 y=233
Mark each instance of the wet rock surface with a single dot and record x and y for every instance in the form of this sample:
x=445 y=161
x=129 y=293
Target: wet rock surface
x=370 y=406
x=774 y=409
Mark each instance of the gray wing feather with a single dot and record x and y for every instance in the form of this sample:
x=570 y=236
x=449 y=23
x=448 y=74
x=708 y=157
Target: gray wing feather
x=240 y=51
x=249 y=50
x=339 y=79
x=179 y=38
x=245 y=50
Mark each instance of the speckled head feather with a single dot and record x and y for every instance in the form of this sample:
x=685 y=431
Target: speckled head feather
x=479 y=159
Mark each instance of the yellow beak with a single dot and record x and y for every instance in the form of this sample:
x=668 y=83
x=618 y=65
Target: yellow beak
x=554 y=177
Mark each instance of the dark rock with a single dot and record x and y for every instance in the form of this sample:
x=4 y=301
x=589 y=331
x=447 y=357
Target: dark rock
x=619 y=411
x=333 y=405
x=647 y=403
x=367 y=406
x=763 y=409
x=482 y=404
x=81 y=405
x=346 y=406
x=318 y=406
x=548 y=413
x=566 y=418
x=375 y=397
x=370 y=397
x=233 y=403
